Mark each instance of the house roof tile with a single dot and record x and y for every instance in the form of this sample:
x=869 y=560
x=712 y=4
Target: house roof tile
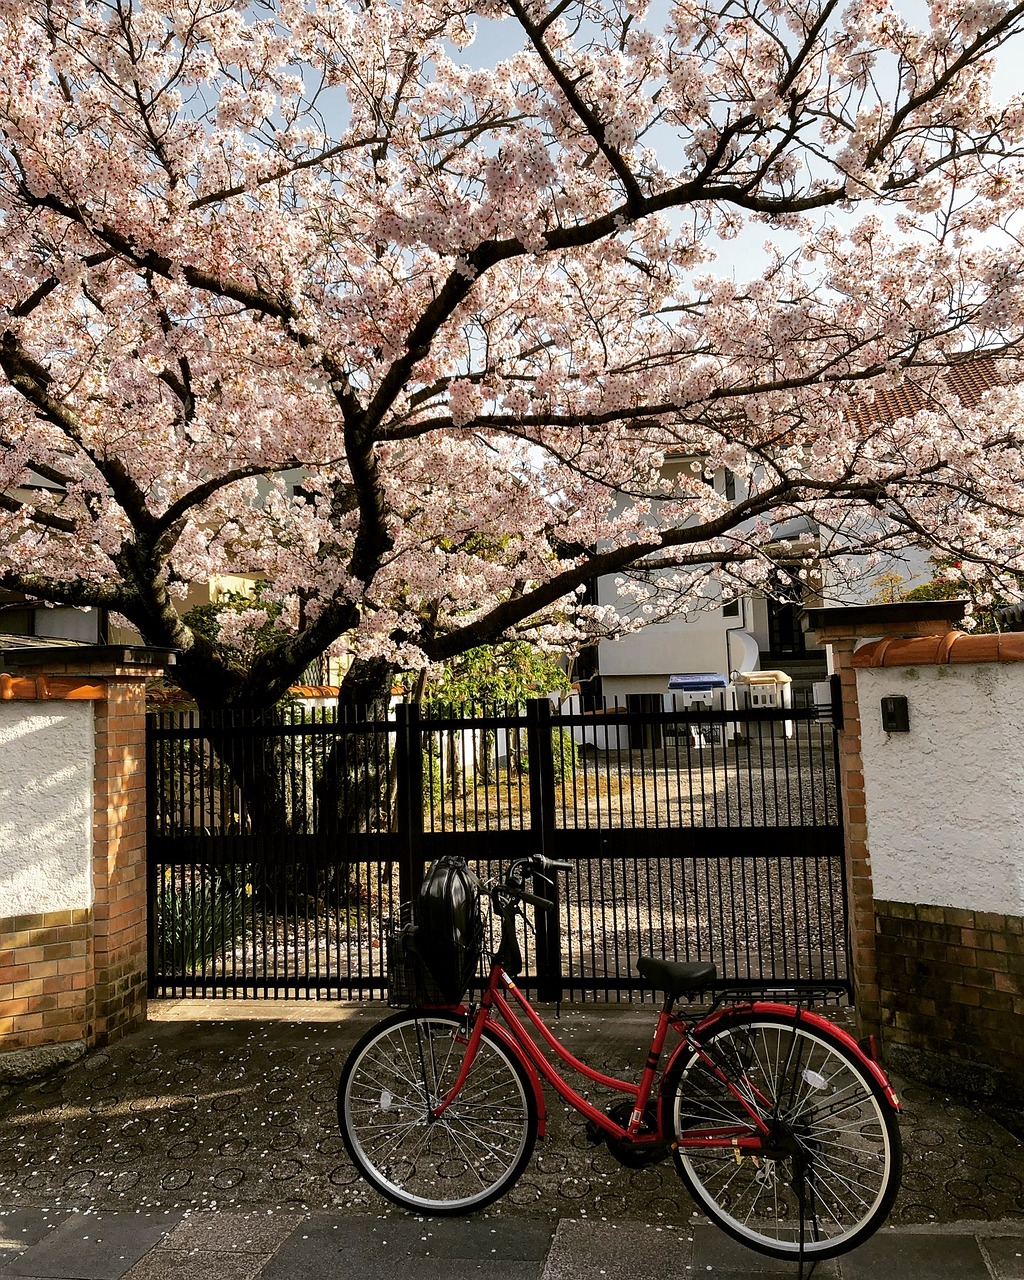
x=954 y=647
x=968 y=379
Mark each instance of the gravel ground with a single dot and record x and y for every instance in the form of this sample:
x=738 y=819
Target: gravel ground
x=225 y=1104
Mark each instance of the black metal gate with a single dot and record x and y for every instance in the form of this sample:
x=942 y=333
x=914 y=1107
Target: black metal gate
x=280 y=845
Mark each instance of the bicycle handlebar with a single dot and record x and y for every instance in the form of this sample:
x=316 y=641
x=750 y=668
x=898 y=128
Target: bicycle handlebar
x=534 y=900
x=509 y=895
x=512 y=886
x=549 y=864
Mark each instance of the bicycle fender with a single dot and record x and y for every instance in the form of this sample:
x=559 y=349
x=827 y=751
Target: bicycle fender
x=510 y=1043
x=812 y=1019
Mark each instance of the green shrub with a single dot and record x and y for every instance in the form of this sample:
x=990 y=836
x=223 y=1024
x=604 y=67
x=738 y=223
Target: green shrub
x=198 y=923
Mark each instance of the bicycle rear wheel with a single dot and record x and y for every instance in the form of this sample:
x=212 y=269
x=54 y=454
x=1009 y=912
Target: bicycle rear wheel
x=829 y=1117
x=455 y=1163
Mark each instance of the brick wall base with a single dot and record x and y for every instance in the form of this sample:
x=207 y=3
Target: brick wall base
x=951 y=988
x=47 y=979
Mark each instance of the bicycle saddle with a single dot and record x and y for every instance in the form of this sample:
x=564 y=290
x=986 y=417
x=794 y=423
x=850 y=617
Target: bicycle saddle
x=676 y=978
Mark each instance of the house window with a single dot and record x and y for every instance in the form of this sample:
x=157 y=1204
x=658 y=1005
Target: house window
x=729 y=485
x=731 y=610
x=785 y=634
x=17 y=622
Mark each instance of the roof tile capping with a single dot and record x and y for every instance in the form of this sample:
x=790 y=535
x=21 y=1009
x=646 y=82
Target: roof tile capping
x=968 y=377
x=954 y=647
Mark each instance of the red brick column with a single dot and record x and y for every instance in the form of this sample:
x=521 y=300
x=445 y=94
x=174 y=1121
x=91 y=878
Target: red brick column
x=119 y=857
x=843 y=630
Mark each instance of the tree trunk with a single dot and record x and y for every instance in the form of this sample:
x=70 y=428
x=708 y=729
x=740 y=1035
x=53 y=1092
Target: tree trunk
x=367 y=685
x=353 y=791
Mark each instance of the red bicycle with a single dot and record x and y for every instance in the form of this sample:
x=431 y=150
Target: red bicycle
x=781 y=1125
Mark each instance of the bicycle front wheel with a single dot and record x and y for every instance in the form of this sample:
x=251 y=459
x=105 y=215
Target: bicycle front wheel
x=831 y=1168
x=465 y=1158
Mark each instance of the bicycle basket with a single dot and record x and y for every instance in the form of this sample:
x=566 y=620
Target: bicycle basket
x=409 y=980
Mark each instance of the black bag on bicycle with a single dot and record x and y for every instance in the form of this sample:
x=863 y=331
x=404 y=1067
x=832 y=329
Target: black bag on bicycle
x=449 y=935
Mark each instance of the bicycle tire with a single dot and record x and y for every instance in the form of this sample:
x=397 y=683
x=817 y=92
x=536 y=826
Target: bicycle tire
x=826 y=1100
x=463 y=1160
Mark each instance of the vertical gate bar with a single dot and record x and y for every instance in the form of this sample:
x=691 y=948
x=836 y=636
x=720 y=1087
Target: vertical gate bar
x=218 y=877
x=503 y=817
x=814 y=785
x=176 y=885
x=503 y=776
x=193 y=905
x=269 y=945
x=178 y=820
x=590 y=900
x=325 y=743
x=199 y=868
x=409 y=824
x=183 y=906
x=768 y=771
x=198 y=908
x=481 y=757
x=231 y=803
x=647 y=735
x=287 y=912
x=805 y=761
x=612 y=866
x=618 y=770
x=814 y=905
x=702 y=880
x=522 y=798
x=466 y=789
x=718 y=941
x=547 y=924
x=305 y=852
x=286 y=877
x=631 y=907
x=750 y=774
x=799 y=935
x=333 y=744
x=511 y=776
x=359 y=749
x=805 y=818
x=731 y=766
x=587 y=772
x=703 y=783
x=836 y=775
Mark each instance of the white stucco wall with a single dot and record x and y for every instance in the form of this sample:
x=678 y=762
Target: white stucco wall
x=694 y=643
x=46 y=781
x=945 y=802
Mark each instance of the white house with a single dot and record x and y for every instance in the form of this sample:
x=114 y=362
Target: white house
x=759 y=632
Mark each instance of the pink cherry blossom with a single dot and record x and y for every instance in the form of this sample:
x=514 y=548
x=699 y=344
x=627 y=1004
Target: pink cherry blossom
x=427 y=335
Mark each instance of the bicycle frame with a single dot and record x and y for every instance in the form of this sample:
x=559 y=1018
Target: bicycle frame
x=780 y=1124
x=495 y=1001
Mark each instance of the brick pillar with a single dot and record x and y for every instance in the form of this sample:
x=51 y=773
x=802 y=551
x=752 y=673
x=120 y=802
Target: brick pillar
x=844 y=630
x=119 y=856
x=73 y=955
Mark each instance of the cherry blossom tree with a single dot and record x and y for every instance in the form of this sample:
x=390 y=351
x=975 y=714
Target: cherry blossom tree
x=427 y=338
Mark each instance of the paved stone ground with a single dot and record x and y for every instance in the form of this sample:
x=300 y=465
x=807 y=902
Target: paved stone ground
x=117 y=1161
